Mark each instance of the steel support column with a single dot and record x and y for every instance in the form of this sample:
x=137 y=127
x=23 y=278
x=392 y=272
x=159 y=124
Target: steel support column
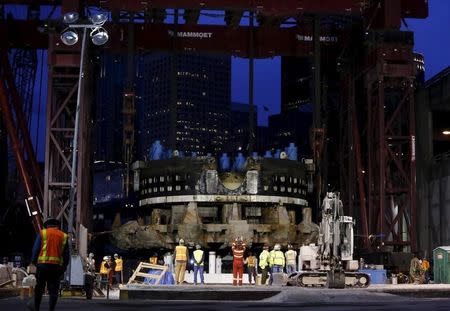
x=391 y=143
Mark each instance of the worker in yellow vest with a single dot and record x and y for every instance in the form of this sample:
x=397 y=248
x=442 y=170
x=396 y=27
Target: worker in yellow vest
x=104 y=270
x=291 y=259
x=154 y=259
x=271 y=256
x=264 y=264
x=181 y=258
x=278 y=260
x=199 y=260
x=118 y=268
x=251 y=268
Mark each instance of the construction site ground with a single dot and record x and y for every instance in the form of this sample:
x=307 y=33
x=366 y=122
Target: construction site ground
x=212 y=297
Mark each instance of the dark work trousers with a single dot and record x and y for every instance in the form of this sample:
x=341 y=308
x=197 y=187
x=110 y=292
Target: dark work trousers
x=238 y=271
x=251 y=274
x=265 y=275
x=50 y=275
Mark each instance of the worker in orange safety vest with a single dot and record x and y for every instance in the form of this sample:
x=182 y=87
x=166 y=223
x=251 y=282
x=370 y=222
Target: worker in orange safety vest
x=51 y=257
x=238 y=248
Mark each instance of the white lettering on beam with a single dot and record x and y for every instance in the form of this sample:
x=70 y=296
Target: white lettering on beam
x=308 y=38
x=191 y=34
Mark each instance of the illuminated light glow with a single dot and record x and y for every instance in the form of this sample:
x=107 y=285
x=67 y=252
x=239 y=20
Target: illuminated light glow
x=446 y=132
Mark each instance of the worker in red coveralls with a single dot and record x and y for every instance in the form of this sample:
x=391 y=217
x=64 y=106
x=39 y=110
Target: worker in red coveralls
x=238 y=248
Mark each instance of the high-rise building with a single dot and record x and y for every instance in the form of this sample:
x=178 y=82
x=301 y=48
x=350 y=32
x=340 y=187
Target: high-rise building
x=108 y=113
x=201 y=89
x=296 y=81
x=293 y=127
x=238 y=134
x=203 y=84
x=419 y=62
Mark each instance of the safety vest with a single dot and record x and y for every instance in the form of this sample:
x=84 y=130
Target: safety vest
x=53 y=242
x=238 y=253
x=264 y=259
x=271 y=256
x=278 y=258
x=119 y=265
x=153 y=260
x=103 y=269
x=425 y=265
x=251 y=261
x=291 y=257
x=181 y=251
x=198 y=255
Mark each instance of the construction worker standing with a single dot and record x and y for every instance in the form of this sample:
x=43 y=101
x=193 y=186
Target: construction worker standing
x=291 y=259
x=154 y=259
x=89 y=277
x=264 y=263
x=119 y=268
x=181 y=258
x=51 y=257
x=104 y=271
x=270 y=259
x=277 y=259
x=238 y=248
x=251 y=267
x=199 y=259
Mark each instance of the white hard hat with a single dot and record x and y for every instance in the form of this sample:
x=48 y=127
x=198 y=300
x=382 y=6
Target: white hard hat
x=115 y=255
x=277 y=247
x=181 y=241
x=91 y=255
x=198 y=246
x=105 y=258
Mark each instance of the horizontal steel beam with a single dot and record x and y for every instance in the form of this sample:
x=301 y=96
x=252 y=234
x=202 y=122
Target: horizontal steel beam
x=189 y=38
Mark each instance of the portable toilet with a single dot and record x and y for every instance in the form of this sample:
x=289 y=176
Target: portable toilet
x=441 y=264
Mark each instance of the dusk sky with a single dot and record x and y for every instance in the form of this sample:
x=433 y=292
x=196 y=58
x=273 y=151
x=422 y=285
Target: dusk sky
x=432 y=38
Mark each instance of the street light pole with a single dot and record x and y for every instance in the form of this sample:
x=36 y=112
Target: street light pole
x=75 y=138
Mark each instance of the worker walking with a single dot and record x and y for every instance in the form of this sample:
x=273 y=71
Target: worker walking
x=291 y=259
x=199 y=259
x=181 y=258
x=264 y=264
x=51 y=257
x=118 y=269
x=238 y=248
x=251 y=268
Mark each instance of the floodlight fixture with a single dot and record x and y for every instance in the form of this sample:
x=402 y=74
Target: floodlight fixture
x=71 y=17
x=98 y=18
x=99 y=36
x=69 y=37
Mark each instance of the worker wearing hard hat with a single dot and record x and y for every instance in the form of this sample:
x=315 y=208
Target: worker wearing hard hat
x=51 y=257
x=238 y=248
x=278 y=260
x=181 y=258
x=104 y=270
x=271 y=256
x=199 y=260
x=264 y=264
x=119 y=268
x=291 y=259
